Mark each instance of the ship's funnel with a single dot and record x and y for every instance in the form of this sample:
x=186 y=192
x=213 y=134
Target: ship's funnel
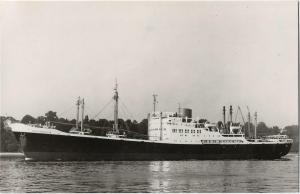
x=186 y=112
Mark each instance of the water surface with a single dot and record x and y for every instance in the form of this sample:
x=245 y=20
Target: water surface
x=280 y=175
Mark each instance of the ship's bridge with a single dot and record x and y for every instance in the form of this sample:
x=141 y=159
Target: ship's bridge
x=182 y=128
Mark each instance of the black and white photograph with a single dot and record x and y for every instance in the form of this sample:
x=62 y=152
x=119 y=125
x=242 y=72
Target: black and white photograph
x=149 y=96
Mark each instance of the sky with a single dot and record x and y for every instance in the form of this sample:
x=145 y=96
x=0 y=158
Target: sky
x=203 y=55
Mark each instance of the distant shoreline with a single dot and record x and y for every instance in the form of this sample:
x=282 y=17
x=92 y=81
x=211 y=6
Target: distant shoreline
x=11 y=154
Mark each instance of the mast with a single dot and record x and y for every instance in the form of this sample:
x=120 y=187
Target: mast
x=116 y=98
x=77 y=112
x=154 y=102
x=224 y=116
x=230 y=112
x=161 y=130
x=179 y=110
x=255 y=124
x=249 y=120
x=82 y=113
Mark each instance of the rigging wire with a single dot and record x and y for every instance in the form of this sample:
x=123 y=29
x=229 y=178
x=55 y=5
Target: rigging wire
x=128 y=130
x=102 y=109
x=126 y=108
x=125 y=121
x=87 y=110
x=75 y=124
x=126 y=115
x=236 y=114
x=67 y=110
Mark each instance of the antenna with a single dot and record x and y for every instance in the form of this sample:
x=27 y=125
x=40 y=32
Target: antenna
x=255 y=125
x=249 y=120
x=224 y=115
x=116 y=84
x=154 y=102
x=77 y=112
x=179 y=110
x=82 y=113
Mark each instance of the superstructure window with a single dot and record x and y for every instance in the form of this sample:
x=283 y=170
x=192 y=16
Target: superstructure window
x=187 y=131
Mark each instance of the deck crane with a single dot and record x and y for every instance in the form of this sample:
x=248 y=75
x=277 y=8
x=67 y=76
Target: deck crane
x=239 y=110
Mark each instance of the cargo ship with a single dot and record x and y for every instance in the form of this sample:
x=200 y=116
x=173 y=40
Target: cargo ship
x=171 y=136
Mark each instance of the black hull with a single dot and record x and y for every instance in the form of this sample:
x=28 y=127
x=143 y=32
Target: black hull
x=59 y=147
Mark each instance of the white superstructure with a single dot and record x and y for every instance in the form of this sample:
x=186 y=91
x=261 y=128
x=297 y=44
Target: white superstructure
x=178 y=128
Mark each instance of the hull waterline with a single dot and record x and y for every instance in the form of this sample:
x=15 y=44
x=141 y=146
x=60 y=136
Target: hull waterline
x=73 y=148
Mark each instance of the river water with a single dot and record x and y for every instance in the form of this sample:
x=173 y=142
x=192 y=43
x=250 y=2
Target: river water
x=281 y=175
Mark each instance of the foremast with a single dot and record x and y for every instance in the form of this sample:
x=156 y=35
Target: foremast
x=77 y=112
x=116 y=99
x=78 y=103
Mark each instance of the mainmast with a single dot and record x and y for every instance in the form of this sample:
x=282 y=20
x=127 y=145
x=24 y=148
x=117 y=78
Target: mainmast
x=77 y=112
x=154 y=102
x=255 y=124
x=116 y=98
x=224 y=116
x=82 y=113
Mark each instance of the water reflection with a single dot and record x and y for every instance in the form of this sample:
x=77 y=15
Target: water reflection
x=158 y=183
x=150 y=176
